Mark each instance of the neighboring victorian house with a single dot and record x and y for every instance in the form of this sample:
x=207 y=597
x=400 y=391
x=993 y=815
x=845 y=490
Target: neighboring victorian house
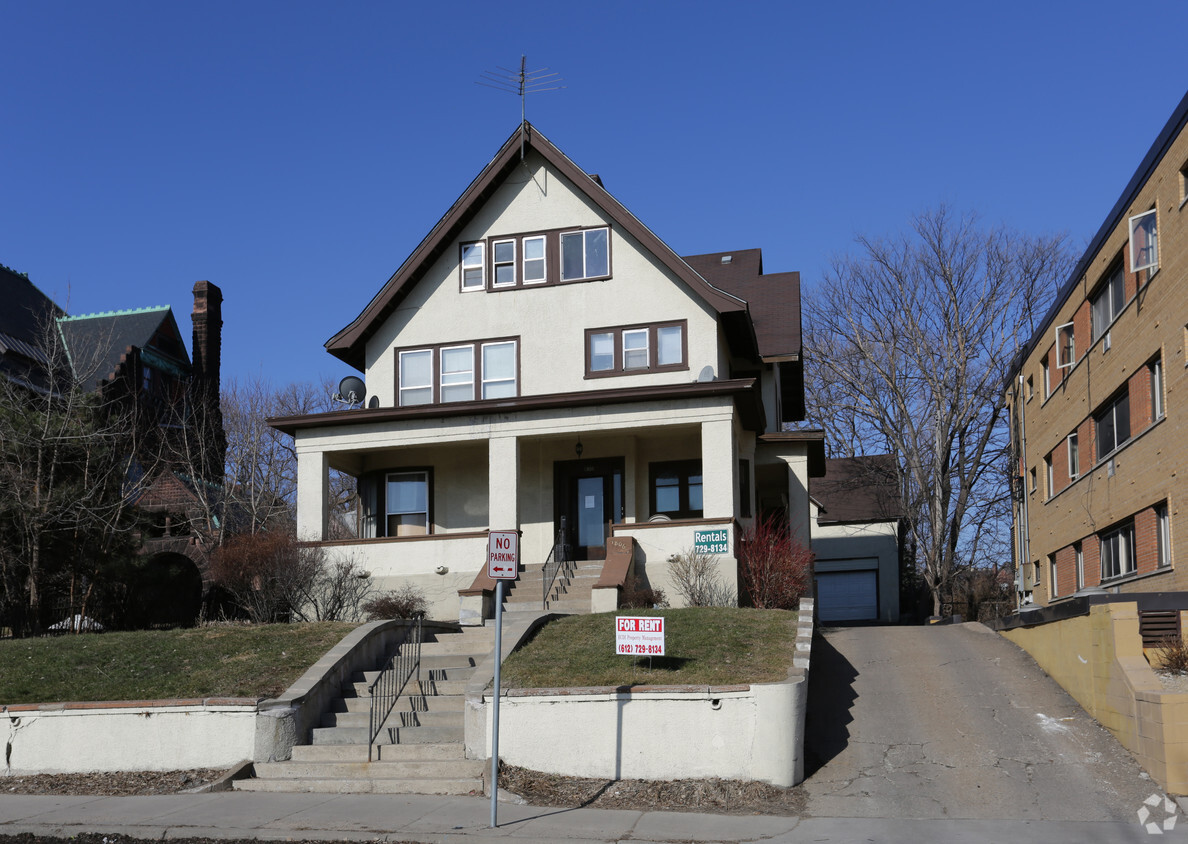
x=858 y=535
x=541 y=360
x=1097 y=400
x=138 y=360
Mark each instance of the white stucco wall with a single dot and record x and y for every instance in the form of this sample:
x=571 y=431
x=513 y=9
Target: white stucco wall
x=549 y=319
x=147 y=737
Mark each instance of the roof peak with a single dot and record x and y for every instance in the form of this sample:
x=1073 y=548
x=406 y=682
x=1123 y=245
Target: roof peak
x=125 y=312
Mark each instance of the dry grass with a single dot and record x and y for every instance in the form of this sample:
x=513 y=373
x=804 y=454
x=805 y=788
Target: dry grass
x=705 y=646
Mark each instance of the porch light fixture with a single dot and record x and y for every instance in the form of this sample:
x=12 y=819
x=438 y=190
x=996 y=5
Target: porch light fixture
x=578 y=448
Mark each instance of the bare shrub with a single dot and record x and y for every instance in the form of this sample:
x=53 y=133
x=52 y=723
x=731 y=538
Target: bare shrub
x=332 y=590
x=406 y=601
x=1173 y=654
x=262 y=572
x=695 y=575
x=775 y=568
x=638 y=594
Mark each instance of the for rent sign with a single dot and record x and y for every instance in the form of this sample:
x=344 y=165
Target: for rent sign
x=643 y=635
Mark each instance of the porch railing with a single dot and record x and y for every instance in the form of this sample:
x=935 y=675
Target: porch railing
x=404 y=661
x=560 y=555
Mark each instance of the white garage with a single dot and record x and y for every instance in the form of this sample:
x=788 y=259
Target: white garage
x=848 y=596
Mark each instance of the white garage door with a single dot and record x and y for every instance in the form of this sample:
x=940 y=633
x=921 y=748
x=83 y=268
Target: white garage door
x=848 y=596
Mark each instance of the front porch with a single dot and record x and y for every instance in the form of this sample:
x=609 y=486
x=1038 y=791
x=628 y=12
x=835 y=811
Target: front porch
x=430 y=489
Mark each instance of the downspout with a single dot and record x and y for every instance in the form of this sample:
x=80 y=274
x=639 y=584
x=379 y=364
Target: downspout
x=1024 y=539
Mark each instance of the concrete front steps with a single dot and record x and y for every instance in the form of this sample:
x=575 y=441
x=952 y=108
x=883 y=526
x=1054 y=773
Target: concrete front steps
x=419 y=749
x=570 y=592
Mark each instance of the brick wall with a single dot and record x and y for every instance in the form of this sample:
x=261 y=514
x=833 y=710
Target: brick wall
x=1083 y=328
x=1066 y=571
x=1146 y=541
x=1140 y=400
x=1091 y=548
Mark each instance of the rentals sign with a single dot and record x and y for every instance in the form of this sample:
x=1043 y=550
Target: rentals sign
x=639 y=635
x=712 y=541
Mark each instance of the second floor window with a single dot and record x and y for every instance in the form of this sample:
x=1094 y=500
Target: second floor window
x=485 y=369
x=630 y=350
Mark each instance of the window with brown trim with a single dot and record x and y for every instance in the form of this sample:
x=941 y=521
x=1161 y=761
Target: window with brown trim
x=636 y=349
x=452 y=372
x=675 y=488
x=535 y=258
x=396 y=502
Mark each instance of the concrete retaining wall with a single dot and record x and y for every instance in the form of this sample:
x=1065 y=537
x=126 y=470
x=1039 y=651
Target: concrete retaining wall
x=166 y=735
x=745 y=732
x=1098 y=659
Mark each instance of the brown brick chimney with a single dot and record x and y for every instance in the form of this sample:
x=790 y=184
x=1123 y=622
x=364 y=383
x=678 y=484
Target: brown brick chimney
x=206 y=417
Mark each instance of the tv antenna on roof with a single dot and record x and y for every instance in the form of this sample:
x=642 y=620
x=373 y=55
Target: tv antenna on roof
x=521 y=84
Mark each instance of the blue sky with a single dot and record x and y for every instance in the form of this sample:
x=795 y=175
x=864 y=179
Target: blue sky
x=295 y=153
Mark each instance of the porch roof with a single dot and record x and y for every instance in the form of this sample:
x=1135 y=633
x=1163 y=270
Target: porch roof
x=745 y=391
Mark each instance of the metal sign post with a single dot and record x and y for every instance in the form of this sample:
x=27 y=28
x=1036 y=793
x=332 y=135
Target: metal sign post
x=503 y=563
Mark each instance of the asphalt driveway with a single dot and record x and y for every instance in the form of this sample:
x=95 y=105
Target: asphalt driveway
x=955 y=722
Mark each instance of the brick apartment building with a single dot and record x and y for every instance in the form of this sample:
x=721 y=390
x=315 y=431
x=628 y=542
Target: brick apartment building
x=1098 y=400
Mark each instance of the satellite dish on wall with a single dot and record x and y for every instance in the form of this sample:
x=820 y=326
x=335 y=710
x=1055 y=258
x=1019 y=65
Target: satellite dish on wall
x=706 y=375
x=374 y=402
x=351 y=391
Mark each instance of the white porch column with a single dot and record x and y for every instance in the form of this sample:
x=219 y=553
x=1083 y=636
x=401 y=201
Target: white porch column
x=798 y=503
x=503 y=483
x=313 y=482
x=719 y=487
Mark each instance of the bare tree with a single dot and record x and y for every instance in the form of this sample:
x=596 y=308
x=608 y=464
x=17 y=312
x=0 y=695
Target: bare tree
x=907 y=346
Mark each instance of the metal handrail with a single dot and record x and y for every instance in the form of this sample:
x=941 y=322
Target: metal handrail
x=404 y=661
x=561 y=554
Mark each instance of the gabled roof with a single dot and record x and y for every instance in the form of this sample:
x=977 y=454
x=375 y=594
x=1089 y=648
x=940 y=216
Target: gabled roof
x=1171 y=130
x=24 y=315
x=349 y=344
x=773 y=300
x=858 y=489
x=98 y=343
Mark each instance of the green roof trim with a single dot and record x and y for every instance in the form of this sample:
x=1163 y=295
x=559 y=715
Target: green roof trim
x=125 y=312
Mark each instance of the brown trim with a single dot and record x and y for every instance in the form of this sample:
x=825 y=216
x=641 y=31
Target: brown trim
x=744 y=391
x=716 y=520
x=435 y=365
x=349 y=344
x=653 y=366
x=684 y=470
x=380 y=540
x=552 y=277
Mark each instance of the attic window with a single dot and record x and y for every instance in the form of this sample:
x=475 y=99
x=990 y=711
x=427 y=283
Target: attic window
x=726 y=259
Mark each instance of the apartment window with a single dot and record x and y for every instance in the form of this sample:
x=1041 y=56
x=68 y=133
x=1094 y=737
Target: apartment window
x=1107 y=302
x=1113 y=424
x=416 y=377
x=503 y=263
x=1047 y=380
x=1066 y=346
x=407 y=504
x=631 y=350
x=1080 y=555
x=676 y=489
x=457 y=373
x=1030 y=388
x=1144 y=242
x=1049 y=476
x=1156 y=370
x=1074 y=456
x=499 y=370
x=534 y=260
x=448 y=373
x=1163 y=534
x=1053 y=581
x=473 y=275
x=1032 y=480
x=585 y=254
x=1117 y=551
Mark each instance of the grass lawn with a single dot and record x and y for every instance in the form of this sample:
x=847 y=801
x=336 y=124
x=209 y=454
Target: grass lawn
x=703 y=645
x=220 y=661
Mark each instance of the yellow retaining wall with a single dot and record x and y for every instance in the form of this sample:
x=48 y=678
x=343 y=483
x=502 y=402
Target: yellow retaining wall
x=1098 y=659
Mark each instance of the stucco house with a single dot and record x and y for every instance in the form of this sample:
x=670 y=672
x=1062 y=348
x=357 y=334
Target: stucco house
x=542 y=359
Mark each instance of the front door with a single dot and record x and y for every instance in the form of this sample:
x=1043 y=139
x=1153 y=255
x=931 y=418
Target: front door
x=589 y=495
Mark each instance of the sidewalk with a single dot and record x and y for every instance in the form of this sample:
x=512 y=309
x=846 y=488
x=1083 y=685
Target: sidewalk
x=465 y=820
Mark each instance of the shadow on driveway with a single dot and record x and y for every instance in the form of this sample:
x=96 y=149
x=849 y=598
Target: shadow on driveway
x=830 y=697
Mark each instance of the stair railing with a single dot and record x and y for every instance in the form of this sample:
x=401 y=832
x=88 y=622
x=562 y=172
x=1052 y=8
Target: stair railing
x=560 y=555
x=401 y=665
